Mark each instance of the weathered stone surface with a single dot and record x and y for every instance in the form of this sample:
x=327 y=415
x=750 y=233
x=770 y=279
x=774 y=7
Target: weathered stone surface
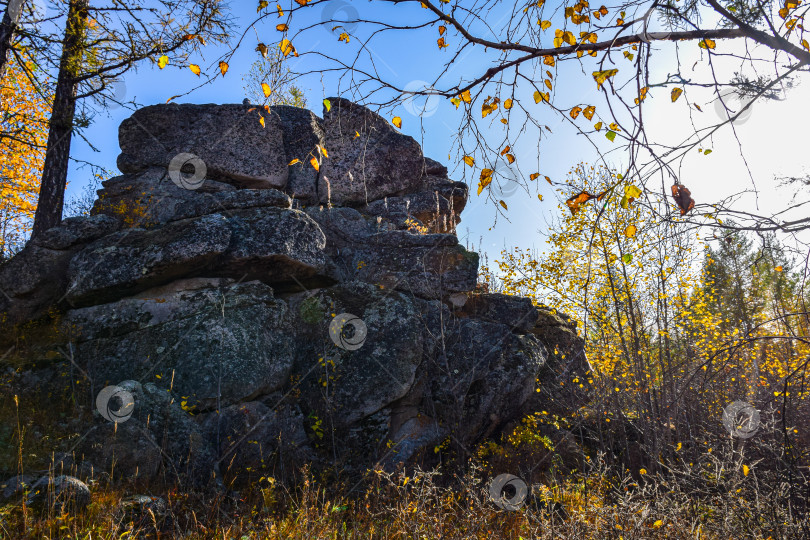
x=303 y=132
x=426 y=265
x=515 y=311
x=15 y=487
x=30 y=282
x=142 y=509
x=270 y=244
x=220 y=342
x=76 y=230
x=257 y=438
x=429 y=208
x=381 y=162
x=135 y=259
x=159 y=440
x=481 y=377
x=377 y=373
x=63 y=493
x=228 y=138
x=150 y=198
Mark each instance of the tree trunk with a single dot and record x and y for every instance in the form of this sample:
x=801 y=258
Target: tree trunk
x=7 y=28
x=57 y=156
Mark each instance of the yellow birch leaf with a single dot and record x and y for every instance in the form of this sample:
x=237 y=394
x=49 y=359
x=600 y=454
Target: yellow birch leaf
x=707 y=44
x=223 y=68
x=195 y=69
x=282 y=27
x=588 y=112
x=746 y=470
x=545 y=25
x=286 y=47
x=469 y=160
x=630 y=231
x=504 y=205
x=315 y=164
x=465 y=96
x=266 y=89
x=261 y=120
x=676 y=93
x=163 y=61
x=575 y=112
x=397 y=121
x=507 y=104
x=293 y=162
x=601 y=76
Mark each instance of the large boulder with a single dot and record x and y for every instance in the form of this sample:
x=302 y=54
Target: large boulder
x=270 y=314
x=368 y=159
x=230 y=139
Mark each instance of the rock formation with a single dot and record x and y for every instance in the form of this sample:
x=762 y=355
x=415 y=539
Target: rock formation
x=250 y=296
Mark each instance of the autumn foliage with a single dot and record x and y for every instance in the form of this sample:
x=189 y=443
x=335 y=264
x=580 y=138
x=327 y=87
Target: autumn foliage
x=23 y=134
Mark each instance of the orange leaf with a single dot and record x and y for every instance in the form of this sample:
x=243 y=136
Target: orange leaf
x=397 y=121
x=315 y=164
x=223 y=67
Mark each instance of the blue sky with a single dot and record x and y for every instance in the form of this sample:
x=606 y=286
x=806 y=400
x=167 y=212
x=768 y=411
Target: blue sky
x=411 y=60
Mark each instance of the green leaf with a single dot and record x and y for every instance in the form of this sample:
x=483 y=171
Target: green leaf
x=327 y=104
x=625 y=203
x=610 y=135
x=707 y=152
x=627 y=258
